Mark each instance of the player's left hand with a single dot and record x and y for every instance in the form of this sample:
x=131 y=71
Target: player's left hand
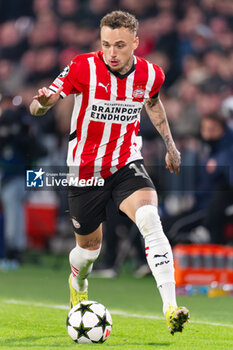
x=46 y=97
x=173 y=160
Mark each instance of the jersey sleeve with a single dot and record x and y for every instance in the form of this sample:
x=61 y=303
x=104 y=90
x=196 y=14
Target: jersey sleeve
x=69 y=79
x=158 y=82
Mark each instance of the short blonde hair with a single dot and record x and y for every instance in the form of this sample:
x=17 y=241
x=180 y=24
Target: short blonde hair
x=118 y=19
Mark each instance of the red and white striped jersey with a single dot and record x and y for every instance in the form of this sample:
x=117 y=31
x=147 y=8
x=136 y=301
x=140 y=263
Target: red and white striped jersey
x=106 y=115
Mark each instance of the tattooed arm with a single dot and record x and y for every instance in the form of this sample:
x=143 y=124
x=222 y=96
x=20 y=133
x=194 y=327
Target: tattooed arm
x=157 y=114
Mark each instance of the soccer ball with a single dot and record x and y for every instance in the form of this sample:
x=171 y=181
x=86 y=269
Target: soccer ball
x=89 y=322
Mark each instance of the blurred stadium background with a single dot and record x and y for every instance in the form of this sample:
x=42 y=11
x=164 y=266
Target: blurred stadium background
x=192 y=40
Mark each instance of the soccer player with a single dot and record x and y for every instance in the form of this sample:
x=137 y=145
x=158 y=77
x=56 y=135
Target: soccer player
x=110 y=88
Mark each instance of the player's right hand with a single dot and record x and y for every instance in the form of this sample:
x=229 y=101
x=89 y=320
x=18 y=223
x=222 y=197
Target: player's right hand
x=173 y=160
x=46 y=97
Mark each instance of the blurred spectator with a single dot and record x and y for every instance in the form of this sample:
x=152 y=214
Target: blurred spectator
x=227 y=110
x=67 y=33
x=44 y=32
x=12 y=43
x=95 y=10
x=208 y=102
x=68 y=10
x=41 y=7
x=11 y=77
x=40 y=64
x=140 y=9
x=214 y=193
x=18 y=148
x=219 y=138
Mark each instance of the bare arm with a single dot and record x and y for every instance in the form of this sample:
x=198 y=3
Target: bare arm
x=157 y=114
x=44 y=101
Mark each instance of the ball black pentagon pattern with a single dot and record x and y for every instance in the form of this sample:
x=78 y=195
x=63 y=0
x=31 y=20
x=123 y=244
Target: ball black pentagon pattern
x=84 y=307
x=82 y=331
x=89 y=322
x=103 y=322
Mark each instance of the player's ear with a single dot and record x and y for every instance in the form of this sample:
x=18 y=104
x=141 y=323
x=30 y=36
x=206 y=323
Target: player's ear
x=135 y=42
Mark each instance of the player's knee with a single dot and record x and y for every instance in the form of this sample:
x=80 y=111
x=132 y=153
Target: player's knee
x=90 y=241
x=146 y=218
x=91 y=245
x=148 y=221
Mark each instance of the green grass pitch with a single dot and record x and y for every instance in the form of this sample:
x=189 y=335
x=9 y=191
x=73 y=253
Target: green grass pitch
x=34 y=306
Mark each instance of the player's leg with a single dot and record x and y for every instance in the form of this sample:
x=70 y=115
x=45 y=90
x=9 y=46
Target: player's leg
x=87 y=211
x=141 y=207
x=81 y=259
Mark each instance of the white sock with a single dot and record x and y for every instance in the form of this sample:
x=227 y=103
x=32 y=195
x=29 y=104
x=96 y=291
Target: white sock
x=168 y=295
x=81 y=263
x=158 y=252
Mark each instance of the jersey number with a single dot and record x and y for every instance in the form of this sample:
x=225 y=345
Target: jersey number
x=139 y=171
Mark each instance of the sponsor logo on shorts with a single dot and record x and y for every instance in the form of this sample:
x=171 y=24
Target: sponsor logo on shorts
x=76 y=223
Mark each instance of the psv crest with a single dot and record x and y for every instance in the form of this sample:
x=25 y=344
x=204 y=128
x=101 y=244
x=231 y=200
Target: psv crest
x=138 y=93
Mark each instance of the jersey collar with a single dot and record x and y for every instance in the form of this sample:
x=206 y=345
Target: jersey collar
x=117 y=74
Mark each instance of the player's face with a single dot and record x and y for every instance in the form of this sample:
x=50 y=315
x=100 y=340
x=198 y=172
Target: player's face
x=118 y=46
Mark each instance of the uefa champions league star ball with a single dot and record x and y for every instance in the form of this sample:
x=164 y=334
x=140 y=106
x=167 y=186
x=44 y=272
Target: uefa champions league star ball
x=89 y=322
